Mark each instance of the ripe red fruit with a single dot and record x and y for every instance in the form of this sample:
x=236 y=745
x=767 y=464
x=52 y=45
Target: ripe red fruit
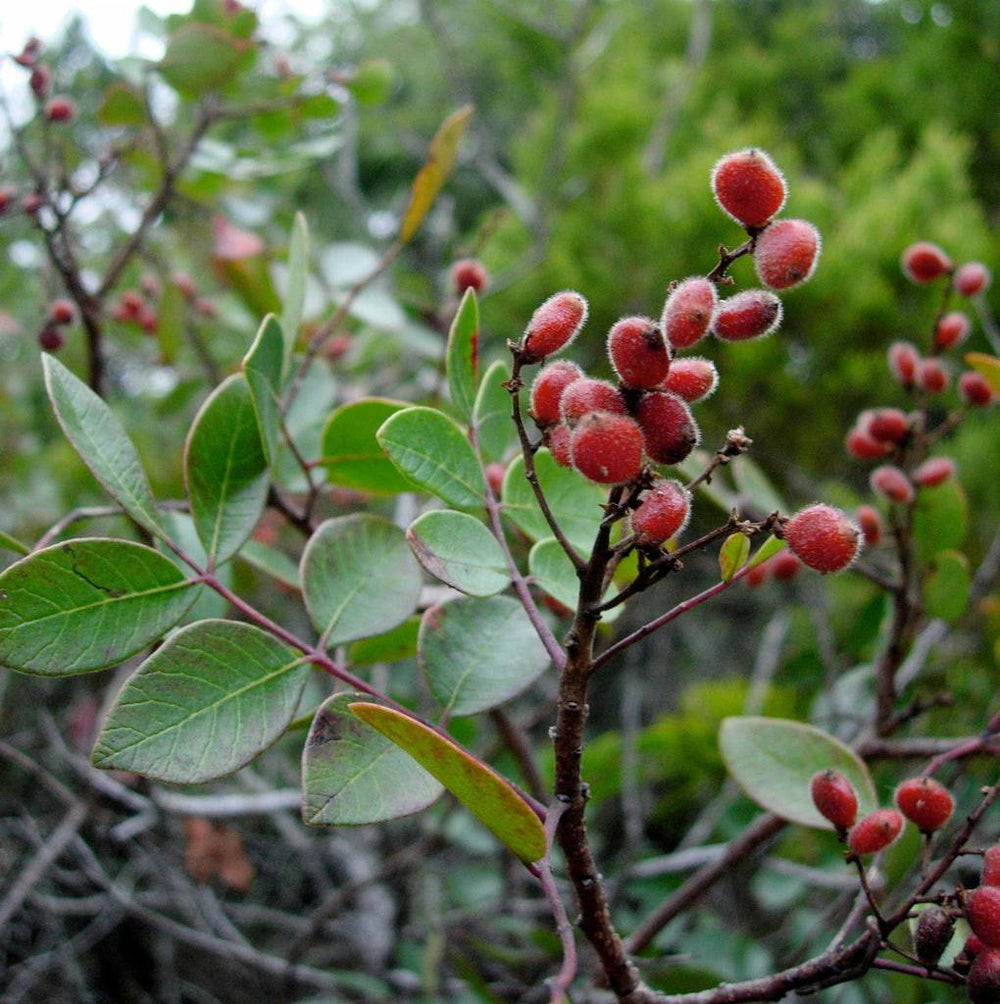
x=983 y=981
x=494 y=477
x=586 y=395
x=975 y=389
x=888 y=425
x=932 y=376
x=982 y=909
x=935 y=929
x=548 y=388
x=688 y=311
x=785 y=566
x=662 y=513
x=824 y=538
x=859 y=444
x=748 y=187
x=607 y=448
x=40 y=81
x=693 y=379
x=892 y=484
x=875 y=832
x=50 y=339
x=925 y=803
x=61 y=312
x=786 y=253
x=925 y=262
x=468 y=274
x=557 y=440
x=972 y=278
x=751 y=314
x=903 y=361
x=871 y=524
x=554 y=325
x=991 y=866
x=60 y=109
x=933 y=472
x=668 y=427
x=952 y=330
x=638 y=352
x=835 y=798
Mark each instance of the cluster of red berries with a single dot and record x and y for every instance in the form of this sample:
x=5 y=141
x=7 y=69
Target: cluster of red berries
x=138 y=308
x=60 y=313
x=982 y=948
x=58 y=108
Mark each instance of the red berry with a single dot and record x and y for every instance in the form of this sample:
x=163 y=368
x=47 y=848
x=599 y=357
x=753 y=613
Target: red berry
x=786 y=253
x=150 y=285
x=747 y=315
x=824 y=538
x=28 y=56
x=132 y=304
x=184 y=283
x=892 y=484
x=983 y=981
x=40 y=81
x=468 y=274
x=758 y=574
x=62 y=312
x=982 y=909
x=693 y=379
x=870 y=523
x=748 y=186
x=554 y=325
x=991 y=866
x=888 y=425
x=859 y=444
x=875 y=832
x=785 y=566
x=668 y=427
x=548 y=388
x=952 y=330
x=903 y=361
x=935 y=929
x=932 y=376
x=835 y=798
x=557 y=440
x=50 y=339
x=60 y=109
x=972 y=278
x=975 y=389
x=585 y=395
x=148 y=321
x=925 y=803
x=638 y=352
x=662 y=513
x=688 y=311
x=925 y=262
x=494 y=477
x=933 y=472
x=607 y=448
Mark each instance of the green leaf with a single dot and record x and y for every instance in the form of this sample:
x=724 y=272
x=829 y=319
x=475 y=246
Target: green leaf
x=271 y=561
x=491 y=414
x=768 y=549
x=433 y=452
x=225 y=469
x=103 y=445
x=358 y=578
x=9 y=543
x=755 y=488
x=121 y=105
x=352 y=456
x=352 y=774
x=492 y=799
x=262 y=367
x=86 y=604
x=988 y=365
x=575 y=502
x=554 y=572
x=946 y=588
x=462 y=354
x=201 y=57
x=774 y=759
x=171 y=313
x=432 y=176
x=215 y=695
x=733 y=555
x=457 y=549
x=393 y=646
x=372 y=82
x=295 y=290
x=478 y=653
x=940 y=518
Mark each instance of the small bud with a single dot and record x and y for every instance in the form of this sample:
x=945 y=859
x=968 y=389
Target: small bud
x=204 y=307
x=983 y=984
x=982 y=909
x=903 y=361
x=991 y=866
x=607 y=448
x=468 y=274
x=785 y=566
x=747 y=315
x=932 y=376
x=638 y=352
x=952 y=330
x=934 y=472
x=693 y=379
x=870 y=523
x=60 y=109
x=50 y=339
x=131 y=303
x=971 y=278
x=687 y=314
x=662 y=513
x=925 y=262
x=668 y=427
x=975 y=389
x=554 y=325
x=28 y=56
x=40 y=81
x=935 y=929
x=888 y=425
x=586 y=395
x=925 y=803
x=150 y=285
x=875 y=832
x=494 y=477
x=834 y=797
x=62 y=312
x=859 y=444
x=786 y=253
x=748 y=187
x=892 y=484
x=185 y=284
x=824 y=538
x=548 y=388
x=557 y=440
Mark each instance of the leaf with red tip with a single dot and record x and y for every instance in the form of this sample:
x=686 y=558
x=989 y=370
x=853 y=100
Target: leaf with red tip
x=489 y=797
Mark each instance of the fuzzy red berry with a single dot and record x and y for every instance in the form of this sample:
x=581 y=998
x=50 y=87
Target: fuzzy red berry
x=662 y=513
x=892 y=484
x=607 y=448
x=991 y=866
x=687 y=314
x=60 y=109
x=972 y=278
x=785 y=566
x=925 y=803
x=875 y=832
x=61 y=312
x=952 y=330
x=903 y=361
x=934 y=472
x=668 y=427
x=748 y=186
x=983 y=981
x=554 y=325
x=747 y=315
x=50 y=339
x=786 y=253
x=557 y=440
x=693 y=379
x=982 y=909
x=935 y=929
x=638 y=352
x=468 y=274
x=586 y=395
x=932 y=376
x=40 y=81
x=824 y=538
x=975 y=389
x=888 y=425
x=870 y=523
x=835 y=798
x=859 y=444
x=548 y=388
x=925 y=262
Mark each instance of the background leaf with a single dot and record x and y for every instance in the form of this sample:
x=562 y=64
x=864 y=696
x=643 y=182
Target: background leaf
x=946 y=587
x=201 y=57
x=491 y=414
x=295 y=286
x=462 y=354
x=553 y=572
x=262 y=368
x=940 y=518
x=457 y=549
